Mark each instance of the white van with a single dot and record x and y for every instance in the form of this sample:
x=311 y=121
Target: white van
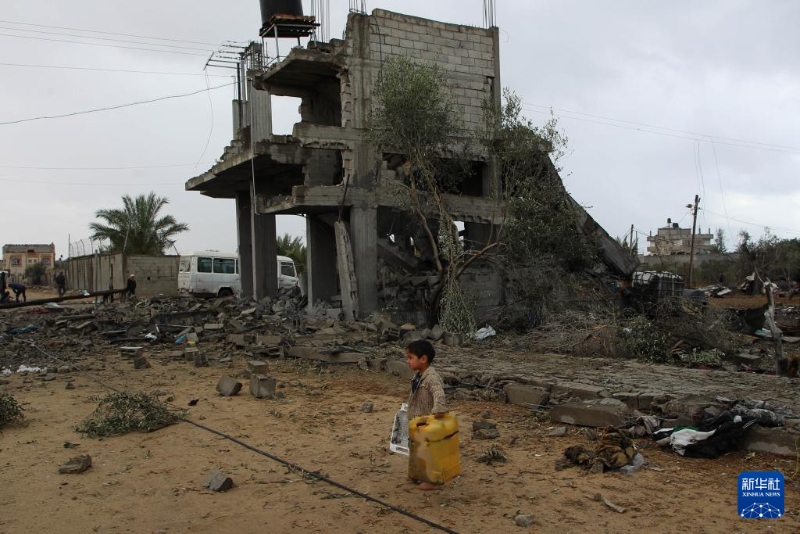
x=217 y=274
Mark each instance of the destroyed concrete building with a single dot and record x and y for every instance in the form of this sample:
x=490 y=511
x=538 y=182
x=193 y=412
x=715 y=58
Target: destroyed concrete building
x=671 y=240
x=358 y=233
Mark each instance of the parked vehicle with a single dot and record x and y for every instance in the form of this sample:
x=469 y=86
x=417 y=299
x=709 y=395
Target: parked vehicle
x=208 y=273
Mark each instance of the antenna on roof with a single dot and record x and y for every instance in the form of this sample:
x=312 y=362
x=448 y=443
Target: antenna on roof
x=321 y=9
x=358 y=6
x=489 y=13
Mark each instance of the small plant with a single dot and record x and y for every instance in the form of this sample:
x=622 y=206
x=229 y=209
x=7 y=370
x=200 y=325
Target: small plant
x=646 y=341
x=10 y=412
x=713 y=357
x=493 y=455
x=120 y=413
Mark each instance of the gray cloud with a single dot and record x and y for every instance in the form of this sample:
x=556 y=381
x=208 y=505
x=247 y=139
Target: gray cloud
x=728 y=68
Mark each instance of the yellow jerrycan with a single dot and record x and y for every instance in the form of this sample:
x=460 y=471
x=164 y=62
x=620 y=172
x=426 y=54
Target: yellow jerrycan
x=433 y=449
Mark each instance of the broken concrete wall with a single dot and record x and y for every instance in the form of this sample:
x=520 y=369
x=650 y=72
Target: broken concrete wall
x=467 y=54
x=154 y=274
x=96 y=273
x=485 y=287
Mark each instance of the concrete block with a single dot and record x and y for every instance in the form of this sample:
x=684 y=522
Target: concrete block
x=436 y=333
x=237 y=339
x=200 y=359
x=131 y=352
x=189 y=352
x=269 y=340
x=376 y=364
x=262 y=386
x=228 y=387
x=399 y=368
x=257 y=367
x=217 y=481
x=213 y=327
x=76 y=465
x=595 y=413
x=523 y=395
x=576 y=389
x=631 y=400
x=772 y=440
x=454 y=340
x=413 y=336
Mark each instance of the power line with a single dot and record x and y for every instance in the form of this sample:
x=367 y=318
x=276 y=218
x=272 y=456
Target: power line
x=795 y=232
x=82 y=168
x=102 y=45
x=105 y=33
x=90 y=184
x=67 y=67
x=120 y=106
x=691 y=136
x=62 y=34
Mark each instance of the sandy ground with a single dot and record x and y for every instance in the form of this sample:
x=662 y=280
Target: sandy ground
x=153 y=482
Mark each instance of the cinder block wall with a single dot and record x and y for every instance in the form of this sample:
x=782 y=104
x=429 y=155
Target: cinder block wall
x=467 y=54
x=154 y=274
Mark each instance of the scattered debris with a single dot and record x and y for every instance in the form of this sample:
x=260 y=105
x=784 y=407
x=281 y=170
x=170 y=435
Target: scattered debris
x=492 y=455
x=485 y=332
x=76 y=465
x=367 y=407
x=217 y=481
x=262 y=386
x=524 y=520
x=228 y=387
x=599 y=498
x=612 y=451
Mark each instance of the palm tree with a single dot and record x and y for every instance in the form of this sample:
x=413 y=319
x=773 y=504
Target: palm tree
x=137 y=228
x=294 y=248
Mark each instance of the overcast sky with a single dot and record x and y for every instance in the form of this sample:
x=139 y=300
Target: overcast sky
x=660 y=100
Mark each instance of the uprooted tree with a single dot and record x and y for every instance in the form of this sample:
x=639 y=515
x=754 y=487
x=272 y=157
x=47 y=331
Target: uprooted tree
x=416 y=117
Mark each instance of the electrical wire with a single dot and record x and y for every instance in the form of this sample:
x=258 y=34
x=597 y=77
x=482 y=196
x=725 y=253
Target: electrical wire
x=765 y=226
x=721 y=189
x=89 y=184
x=83 y=168
x=92 y=69
x=61 y=34
x=110 y=108
x=104 y=32
x=211 y=113
x=102 y=45
x=691 y=135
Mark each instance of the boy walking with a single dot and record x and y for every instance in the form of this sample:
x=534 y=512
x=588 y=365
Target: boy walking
x=427 y=389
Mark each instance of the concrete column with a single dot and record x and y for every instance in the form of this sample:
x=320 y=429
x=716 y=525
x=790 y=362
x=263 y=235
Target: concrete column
x=320 y=260
x=245 y=242
x=265 y=266
x=364 y=239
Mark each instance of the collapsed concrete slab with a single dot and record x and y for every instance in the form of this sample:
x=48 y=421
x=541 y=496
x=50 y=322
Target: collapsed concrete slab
x=772 y=440
x=595 y=413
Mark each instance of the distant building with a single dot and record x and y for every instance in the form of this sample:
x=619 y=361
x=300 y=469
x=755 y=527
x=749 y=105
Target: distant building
x=673 y=240
x=16 y=258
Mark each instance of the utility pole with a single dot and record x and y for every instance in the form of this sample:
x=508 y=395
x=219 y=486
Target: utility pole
x=634 y=251
x=694 y=227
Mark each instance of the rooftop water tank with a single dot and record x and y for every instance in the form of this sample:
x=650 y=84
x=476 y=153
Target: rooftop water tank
x=270 y=8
